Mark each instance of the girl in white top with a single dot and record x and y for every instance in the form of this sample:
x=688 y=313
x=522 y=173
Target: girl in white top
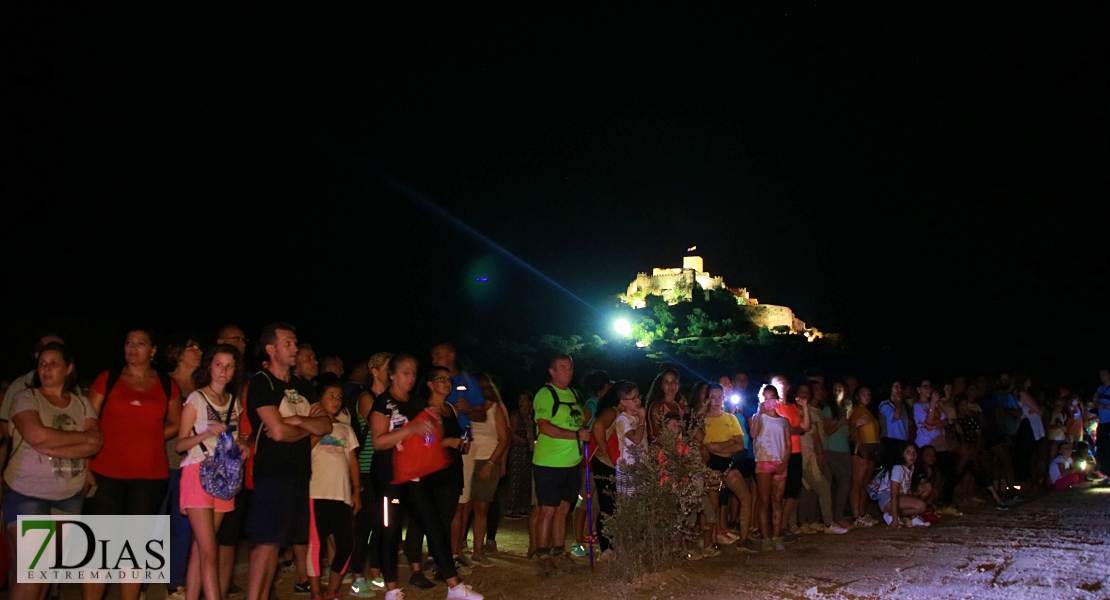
x=203 y=419
x=894 y=492
x=630 y=425
x=335 y=475
x=771 y=441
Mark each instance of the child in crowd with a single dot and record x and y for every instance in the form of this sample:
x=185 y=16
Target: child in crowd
x=771 y=435
x=895 y=484
x=335 y=474
x=1066 y=472
x=631 y=424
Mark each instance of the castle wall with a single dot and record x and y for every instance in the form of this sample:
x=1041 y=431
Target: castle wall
x=770 y=316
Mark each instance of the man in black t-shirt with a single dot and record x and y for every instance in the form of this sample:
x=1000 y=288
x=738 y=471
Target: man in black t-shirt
x=282 y=419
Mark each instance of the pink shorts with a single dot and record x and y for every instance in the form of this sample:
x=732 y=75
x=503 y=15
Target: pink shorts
x=769 y=466
x=194 y=496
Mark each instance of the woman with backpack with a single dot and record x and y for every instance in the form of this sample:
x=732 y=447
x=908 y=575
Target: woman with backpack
x=210 y=410
x=139 y=410
x=892 y=488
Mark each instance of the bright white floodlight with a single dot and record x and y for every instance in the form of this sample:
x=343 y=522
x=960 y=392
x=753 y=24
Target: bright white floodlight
x=623 y=327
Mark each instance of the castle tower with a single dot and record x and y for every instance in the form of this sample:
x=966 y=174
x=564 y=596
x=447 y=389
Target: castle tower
x=692 y=262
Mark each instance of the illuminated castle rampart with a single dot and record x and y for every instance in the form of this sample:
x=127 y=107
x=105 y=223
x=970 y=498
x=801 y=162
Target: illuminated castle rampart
x=676 y=285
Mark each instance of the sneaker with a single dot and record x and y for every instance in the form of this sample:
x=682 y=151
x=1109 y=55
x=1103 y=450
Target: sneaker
x=1002 y=506
x=378 y=582
x=396 y=594
x=724 y=540
x=767 y=545
x=480 y=558
x=835 y=529
x=755 y=535
x=490 y=546
x=302 y=589
x=778 y=544
x=862 y=522
x=580 y=550
x=1014 y=500
x=565 y=562
x=710 y=552
x=919 y=522
x=286 y=566
x=870 y=520
x=348 y=577
x=816 y=528
x=462 y=565
x=360 y=588
x=545 y=567
x=732 y=534
x=749 y=545
x=420 y=580
x=465 y=549
x=790 y=538
x=889 y=519
x=179 y=594
x=463 y=591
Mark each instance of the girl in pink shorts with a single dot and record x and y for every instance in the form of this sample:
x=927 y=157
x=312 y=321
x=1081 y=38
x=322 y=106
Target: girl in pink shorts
x=203 y=419
x=771 y=440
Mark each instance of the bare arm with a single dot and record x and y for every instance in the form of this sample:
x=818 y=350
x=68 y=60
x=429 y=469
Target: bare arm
x=602 y=423
x=384 y=439
x=276 y=427
x=173 y=418
x=40 y=437
x=82 y=447
x=502 y=440
x=186 y=440
x=553 y=431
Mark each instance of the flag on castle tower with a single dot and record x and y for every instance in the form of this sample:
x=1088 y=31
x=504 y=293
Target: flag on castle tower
x=691 y=248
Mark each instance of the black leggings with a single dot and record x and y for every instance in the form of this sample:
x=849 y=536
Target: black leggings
x=417 y=499
x=446 y=499
x=1024 y=446
x=606 y=493
x=126 y=496
x=332 y=517
x=365 y=522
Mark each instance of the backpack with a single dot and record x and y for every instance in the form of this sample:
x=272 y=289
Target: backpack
x=221 y=472
x=113 y=378
x=877 y=483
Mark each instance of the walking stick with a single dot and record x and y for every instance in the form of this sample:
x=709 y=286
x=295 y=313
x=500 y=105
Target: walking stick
x=589 y=509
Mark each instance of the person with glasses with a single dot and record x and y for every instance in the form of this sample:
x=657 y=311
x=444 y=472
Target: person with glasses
x=184 y=358
x=631 y=424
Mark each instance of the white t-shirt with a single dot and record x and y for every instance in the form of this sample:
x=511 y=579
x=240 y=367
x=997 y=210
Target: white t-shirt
x=1058 y=466
x=903 y=476
x=331 y=464
x=218 y=412
x=625 y=424
x=485 y=436
x=771 y=444
x=930 y=435
x=32 y=474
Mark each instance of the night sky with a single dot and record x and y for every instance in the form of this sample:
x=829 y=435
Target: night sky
x=931 y=178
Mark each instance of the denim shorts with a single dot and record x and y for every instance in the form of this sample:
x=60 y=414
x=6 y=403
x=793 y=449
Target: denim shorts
x=16 y=504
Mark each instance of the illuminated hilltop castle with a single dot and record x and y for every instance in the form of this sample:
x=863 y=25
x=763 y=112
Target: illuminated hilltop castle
x=676 y=285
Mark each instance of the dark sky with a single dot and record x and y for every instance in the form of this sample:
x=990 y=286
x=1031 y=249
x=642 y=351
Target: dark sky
x=929 y=176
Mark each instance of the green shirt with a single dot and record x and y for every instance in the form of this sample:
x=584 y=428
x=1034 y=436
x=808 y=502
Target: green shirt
x=549 y=451
x=837 y=441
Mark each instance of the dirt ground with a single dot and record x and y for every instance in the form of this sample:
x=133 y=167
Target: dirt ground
x=1050 y=546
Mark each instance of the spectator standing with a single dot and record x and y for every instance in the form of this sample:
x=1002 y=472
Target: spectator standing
x=555 y=463
x=282 y=421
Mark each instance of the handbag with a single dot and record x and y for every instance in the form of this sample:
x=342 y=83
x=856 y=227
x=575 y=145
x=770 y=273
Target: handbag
x=221 y=471
x=419 y=457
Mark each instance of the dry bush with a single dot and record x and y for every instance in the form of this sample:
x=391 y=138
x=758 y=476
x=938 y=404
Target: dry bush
x=649 y=528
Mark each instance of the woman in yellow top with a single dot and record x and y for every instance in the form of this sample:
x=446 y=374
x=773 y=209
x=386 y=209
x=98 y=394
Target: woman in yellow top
x=724 y=439
x=864 y=431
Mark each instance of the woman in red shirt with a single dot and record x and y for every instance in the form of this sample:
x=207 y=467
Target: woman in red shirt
x=139 y=411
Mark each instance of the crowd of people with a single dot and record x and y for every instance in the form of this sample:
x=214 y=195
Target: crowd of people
x=346 y=469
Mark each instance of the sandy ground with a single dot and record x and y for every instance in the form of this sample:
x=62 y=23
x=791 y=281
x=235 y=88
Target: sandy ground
x=1051 y=546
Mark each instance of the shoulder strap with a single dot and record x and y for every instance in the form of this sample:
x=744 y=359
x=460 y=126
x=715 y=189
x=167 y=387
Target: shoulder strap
x=113 y=378
x=167 y=385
